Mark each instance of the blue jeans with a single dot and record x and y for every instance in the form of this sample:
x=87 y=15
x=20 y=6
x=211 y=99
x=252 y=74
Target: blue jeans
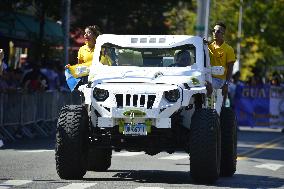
x=217 y=83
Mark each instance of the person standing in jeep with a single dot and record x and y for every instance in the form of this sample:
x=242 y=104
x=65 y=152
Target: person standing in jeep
x=221 y=54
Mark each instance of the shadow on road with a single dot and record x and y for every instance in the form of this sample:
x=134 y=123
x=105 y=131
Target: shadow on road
x=148 y=176
x=47 y=143
x=181 y=177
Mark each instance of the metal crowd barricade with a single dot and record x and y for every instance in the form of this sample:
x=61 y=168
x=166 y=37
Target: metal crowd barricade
x=55 y=105
x=32 y=112
x=28 y=108
x=48 y=98
x=40 y=107
x=59 y=102
x=3 y=131
x=1 y=109
x=12 y=109
x=11 y=113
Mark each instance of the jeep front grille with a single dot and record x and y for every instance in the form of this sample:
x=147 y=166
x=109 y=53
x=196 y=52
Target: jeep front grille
x=128 y=100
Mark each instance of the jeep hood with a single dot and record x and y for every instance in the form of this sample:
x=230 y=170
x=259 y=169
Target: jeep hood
x=130 y=74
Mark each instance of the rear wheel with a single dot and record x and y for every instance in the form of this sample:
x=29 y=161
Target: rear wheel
x=99 y=159
x=72 y=142
x=229 y=142
x=205 y=146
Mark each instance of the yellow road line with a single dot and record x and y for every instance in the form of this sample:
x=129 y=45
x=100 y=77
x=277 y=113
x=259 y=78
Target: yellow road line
x=260 y=148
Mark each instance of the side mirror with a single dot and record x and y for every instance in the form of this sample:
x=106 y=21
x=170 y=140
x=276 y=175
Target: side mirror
x=217 y=70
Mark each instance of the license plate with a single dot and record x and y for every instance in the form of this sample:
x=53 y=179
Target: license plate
x=137 y=129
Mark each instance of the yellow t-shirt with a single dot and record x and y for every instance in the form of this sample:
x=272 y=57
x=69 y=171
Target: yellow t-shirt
x=221 y=56
x=85 y=57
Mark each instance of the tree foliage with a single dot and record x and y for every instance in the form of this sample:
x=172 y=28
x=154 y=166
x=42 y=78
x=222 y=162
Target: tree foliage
x=122 y=17
x=181 y=19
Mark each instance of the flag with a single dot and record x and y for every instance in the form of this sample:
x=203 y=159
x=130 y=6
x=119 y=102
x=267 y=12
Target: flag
x=72 y=82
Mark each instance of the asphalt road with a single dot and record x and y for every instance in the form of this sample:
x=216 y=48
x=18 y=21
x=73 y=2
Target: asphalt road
x=31 y=164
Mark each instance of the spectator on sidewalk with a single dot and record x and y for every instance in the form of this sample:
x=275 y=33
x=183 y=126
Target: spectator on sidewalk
x=52 y=76
x=35 y=80
x=275 y=80
x=233 y=86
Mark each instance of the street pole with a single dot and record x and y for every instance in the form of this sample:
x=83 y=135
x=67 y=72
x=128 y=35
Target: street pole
x=66 y=7
x=237 y=64
x=203 y=9
x=207 y=19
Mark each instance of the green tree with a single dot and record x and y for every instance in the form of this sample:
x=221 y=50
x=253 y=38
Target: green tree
x=181 y=18
x=122 y=17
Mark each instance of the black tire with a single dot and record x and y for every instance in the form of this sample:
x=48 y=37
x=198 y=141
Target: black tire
x=99 y=159
x=205 y=144
x=229 y=142
x=71 y=146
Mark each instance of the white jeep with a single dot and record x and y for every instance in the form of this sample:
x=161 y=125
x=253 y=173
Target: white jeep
x=147 y=102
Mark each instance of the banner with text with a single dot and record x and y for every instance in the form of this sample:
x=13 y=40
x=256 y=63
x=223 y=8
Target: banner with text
x=260 y=106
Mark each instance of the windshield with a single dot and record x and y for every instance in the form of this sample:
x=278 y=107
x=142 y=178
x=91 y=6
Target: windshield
x=180 y=56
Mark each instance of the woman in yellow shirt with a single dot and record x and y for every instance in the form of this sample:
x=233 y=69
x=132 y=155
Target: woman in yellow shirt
x=85 y=53
x=85 y=57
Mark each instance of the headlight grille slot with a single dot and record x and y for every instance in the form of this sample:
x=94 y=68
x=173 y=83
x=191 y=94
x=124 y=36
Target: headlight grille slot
x=135 y=100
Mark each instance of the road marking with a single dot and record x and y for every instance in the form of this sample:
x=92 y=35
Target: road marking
x=253 y=146
x=260 y=148
x=12 y=183
x=145 y=187
x=128 y=153
x=78 y=186
x=270 y=166
x=241 y=158
x=175 y=157
x=34 y=151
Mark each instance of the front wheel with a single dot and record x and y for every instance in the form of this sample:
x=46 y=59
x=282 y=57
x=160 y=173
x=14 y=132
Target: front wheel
x=71 y=142
x=205 y=146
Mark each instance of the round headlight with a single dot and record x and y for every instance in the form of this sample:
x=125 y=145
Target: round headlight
x=172 y=95
x=100 y=94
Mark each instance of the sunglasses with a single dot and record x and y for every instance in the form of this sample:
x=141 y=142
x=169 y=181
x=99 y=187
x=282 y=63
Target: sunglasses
x=217 y=31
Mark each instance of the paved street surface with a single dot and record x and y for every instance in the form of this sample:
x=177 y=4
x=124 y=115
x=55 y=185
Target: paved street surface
x=31 y=164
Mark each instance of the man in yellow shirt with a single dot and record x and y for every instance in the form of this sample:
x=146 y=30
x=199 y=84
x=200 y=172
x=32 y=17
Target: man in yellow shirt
x=221 y=54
